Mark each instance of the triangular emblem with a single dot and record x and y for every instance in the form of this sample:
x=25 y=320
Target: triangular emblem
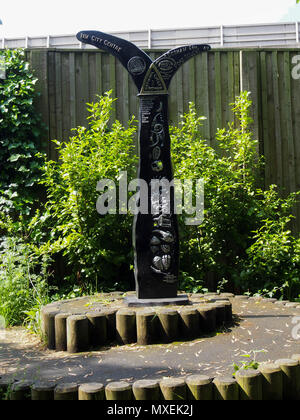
x=153 y=82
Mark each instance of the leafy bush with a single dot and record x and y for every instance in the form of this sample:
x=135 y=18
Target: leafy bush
x=23 y=281
x=97 y=249
x=23 y=273
x=244 y=242
x=232 y=241
x=20 y=130
x=273 y=261
x=230 y=245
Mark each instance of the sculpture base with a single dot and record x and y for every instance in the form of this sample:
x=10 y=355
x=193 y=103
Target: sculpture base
x=133 y=301
x=108 y=321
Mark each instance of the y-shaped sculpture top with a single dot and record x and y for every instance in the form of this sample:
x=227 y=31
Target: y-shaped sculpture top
x=155 y=236
x=148 y=76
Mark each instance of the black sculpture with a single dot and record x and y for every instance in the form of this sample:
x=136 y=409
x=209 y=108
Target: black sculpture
x=155 y=236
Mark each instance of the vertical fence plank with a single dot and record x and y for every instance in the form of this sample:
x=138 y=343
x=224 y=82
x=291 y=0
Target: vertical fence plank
x=133 y=99
x=113 y=83
x=122 y=77
x=291 y=172
x=173 y=105
x=265 y=119
x=39 y=63
x=237 y=81
x=225 y=96
x=179 y=85
x=204 y=94
x=52 y=105
x=218 y=90
x=91 y=77
x=231 y=82
x=192 y=81
x=125 y=84
x=185 y=87
x=250 y=82
x=72 y=89
x=283 y=125
x=85 y=83
x=58 y=98
x=272 y=159
x=98 y=74
x=81 y=63
x=278 y=138
x=65 y=90
x=295 y=94
x=201 y=92
x=289 y=124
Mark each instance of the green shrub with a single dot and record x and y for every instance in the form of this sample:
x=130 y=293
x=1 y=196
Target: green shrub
x=273 y=261
x=20 y=130
x=228 y=245
x=23 y=281
x=244 y=242
x=97 y=249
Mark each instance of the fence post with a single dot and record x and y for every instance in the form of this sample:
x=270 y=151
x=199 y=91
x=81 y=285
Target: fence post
x=222 y=35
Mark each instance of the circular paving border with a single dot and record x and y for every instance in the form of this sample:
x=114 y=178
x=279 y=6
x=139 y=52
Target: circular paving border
x=81 y=324
x=271 y=381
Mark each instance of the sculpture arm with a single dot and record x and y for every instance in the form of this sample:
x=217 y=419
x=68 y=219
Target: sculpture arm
x=136 y=61
x=169 y=63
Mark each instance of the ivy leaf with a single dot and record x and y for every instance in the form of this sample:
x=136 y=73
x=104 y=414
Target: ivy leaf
x=14 y=158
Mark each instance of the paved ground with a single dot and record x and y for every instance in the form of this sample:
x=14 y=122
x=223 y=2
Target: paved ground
x=261 y=326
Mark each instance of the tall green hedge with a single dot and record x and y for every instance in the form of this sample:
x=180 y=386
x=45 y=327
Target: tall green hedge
x=20 y=129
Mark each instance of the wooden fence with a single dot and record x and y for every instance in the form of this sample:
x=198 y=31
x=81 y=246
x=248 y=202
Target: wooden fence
x=276 y=99
x=68 y=79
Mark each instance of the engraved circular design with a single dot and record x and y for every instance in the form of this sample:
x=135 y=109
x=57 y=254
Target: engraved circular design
x=157 y=166
x=156 y=153
x=136 y=66
x=158 y=128
x=154 y=139
x=157 y=138
x=167 y=66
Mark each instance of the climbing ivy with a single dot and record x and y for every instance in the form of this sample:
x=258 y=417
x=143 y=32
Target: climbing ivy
x=20 y=130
